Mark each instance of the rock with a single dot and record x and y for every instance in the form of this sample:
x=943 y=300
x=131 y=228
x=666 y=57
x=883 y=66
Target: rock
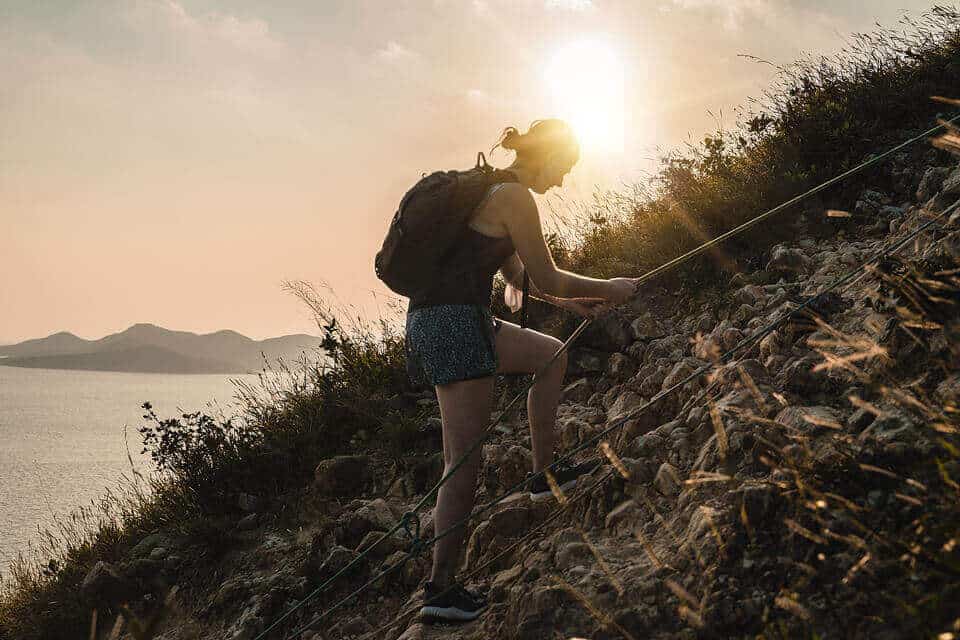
x=505 y=466
x=637 y=350
x=248 y=624
x=103 y=585
x=951 y=184
x=891 y=426
x=679 y=373
x=374 y=515
x=343 y=475
x=247 y=502
x=578 y=391
x=708 y=347
x=751 y=295
x=742 y=315
x=624 y=512
x=704 y=323
x=572 y=554
x=738 y=280
x=787 y=261
x=569 y=432
x=388 y=547
x=859 y=420
x=620 y=367
x=611 y=396
x=948 y=391
x=247 y=522
x=646 y=327
x=146 y=546
x=931 y=182
x=414 y=632
x=731 y=337
x=889 y=212
x=502 y=581
x=355 y=626
x=609 y=332
x=583 y=360
x=760 y=503
x=510 y=522
x=158 y=554
x=699 y=533
x=770 y=345
x=806 y=419
x=627 y=402
x=338 y=558
x=671 y=347
x=667 y=480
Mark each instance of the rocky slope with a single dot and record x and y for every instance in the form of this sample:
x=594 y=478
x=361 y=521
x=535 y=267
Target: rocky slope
x=792 y=492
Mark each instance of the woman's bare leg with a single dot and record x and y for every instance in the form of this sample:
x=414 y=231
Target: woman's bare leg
x=465 y=412
x=526 y=351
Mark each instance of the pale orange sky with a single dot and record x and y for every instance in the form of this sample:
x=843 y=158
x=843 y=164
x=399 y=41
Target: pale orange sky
x=174 y=162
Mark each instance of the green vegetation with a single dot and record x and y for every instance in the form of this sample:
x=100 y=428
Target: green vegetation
x=824 y=116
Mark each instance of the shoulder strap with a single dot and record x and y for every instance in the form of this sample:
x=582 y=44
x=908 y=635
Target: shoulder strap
x=523 y=307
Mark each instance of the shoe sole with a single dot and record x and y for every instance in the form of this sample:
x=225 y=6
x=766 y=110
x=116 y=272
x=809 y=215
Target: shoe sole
x=449 y=614
x=546 y=495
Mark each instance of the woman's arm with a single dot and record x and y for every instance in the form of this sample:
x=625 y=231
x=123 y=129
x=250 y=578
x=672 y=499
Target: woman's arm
x=522 y=220
x=512 y=272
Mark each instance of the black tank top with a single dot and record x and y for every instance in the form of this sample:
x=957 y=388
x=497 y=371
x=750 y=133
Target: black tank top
x=467 y=276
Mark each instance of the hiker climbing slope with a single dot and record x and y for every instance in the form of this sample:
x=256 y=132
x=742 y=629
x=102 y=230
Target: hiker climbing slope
x=452 y=232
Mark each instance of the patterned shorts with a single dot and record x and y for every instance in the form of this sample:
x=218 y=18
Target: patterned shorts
x=450 y=342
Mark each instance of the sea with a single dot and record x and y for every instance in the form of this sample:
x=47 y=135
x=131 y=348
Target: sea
x=65 y=438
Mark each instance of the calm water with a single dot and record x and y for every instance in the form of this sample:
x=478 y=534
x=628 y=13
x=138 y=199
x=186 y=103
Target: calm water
x=61 y=437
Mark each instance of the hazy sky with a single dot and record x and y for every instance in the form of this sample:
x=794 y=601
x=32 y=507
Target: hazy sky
x=174 y=162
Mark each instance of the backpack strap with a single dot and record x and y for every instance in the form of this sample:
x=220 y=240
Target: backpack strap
x=523 y=304
x=482 y=162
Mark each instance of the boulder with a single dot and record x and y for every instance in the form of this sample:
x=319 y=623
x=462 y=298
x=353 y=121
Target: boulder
x=625 y=403
x=103 y=586
x=620 y=367
x=951 y=184
x=584 y=360
x=343 y=475
x=788 y=261
x=667 y=480
x=646 y=327
x=609 y=332
x=931 y=182
x=364 y=517
x=578 y=391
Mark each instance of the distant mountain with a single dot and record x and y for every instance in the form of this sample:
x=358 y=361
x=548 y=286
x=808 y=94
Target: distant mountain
x=151 y=349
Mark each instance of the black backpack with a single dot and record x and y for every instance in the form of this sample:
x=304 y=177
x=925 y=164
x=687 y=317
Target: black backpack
x=431 y=218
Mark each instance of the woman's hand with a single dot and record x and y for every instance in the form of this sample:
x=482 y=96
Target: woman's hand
x=621 y=289
x=587 y=307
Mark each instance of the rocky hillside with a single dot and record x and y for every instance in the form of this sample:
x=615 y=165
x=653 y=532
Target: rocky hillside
x=807 y=488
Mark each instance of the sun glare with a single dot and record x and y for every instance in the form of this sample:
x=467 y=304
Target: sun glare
x=585 y=80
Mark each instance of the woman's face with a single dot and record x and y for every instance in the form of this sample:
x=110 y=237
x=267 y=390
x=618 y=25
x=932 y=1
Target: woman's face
x=552 y=173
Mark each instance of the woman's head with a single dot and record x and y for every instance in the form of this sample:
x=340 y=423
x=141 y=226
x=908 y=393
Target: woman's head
x=545 y=153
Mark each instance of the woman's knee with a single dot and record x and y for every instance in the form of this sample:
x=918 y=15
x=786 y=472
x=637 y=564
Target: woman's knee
x=557 y=361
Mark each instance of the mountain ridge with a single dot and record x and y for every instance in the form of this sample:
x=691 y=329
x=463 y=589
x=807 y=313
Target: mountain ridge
x=148 y=348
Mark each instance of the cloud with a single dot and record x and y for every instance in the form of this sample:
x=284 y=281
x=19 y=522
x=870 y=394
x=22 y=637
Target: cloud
x=569 y=5
x=734 y=11
x=210 y=30
x=396 y=52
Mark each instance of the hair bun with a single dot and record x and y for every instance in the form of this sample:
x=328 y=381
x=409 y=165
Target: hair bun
x=512 y=139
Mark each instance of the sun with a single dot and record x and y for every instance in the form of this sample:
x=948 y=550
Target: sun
x=585 y=79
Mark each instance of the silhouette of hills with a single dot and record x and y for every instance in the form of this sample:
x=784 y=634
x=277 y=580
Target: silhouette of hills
x=149 y=348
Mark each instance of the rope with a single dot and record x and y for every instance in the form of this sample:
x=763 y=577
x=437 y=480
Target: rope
x=756 y=337
x=579 y=330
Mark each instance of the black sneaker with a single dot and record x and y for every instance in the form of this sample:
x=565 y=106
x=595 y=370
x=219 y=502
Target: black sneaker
x=454 y=604
x=564 y=473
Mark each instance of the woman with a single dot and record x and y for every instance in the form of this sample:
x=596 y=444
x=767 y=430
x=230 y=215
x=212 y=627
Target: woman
x=453 y=339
